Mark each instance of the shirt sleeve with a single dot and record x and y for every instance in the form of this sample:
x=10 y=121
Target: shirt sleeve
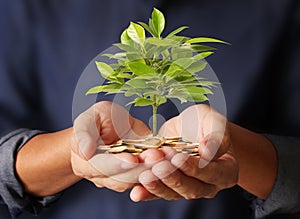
x=285 y=196
x=11 y=189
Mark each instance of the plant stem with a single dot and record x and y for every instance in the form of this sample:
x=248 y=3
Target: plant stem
x=154 y=117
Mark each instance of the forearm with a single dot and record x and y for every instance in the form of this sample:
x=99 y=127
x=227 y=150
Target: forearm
x=44 y=163
x=257 y=161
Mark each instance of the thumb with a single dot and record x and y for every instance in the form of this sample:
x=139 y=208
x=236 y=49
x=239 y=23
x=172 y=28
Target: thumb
x=86 y=135
x=211 y=148
x=83 y=145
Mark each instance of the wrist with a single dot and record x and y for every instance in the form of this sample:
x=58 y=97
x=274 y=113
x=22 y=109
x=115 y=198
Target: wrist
x=44 y=163
x=257 y=160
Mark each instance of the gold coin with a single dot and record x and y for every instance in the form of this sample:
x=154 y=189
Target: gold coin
x=146 y=146
x=155 y=141
x=173 y=138
x=132 y=141
x=118 y=149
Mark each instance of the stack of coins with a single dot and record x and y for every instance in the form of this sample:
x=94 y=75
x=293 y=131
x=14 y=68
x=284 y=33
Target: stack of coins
x=136 y=147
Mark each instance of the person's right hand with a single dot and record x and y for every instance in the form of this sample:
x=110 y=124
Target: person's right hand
x=105 y=123
x=180 y=175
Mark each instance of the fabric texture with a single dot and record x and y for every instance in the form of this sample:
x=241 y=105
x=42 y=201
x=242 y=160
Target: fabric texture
x=11 y=189
x=285 y=196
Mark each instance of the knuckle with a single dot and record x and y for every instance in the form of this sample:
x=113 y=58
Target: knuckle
x=121 y=189
x=173 y=198
x=189 y=169
x=175 y=183
x=211 y=195
x=99 y=185
x=191 y=196
x=212 y=192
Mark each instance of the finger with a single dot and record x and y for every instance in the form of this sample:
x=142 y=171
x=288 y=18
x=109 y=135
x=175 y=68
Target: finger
x=81 y=167
x=151 y=156
x=131 y=173
x=113 y=121
x=104 y=122
x=186 y=186
x=130 y=176
x=138 y=130
x=86 y=134
x=222 y=172
x=139 y=193
x=212 y=147
x=112 y=164
x=172 y=127
x=111 y=184
x=169 y=152
x=156 y=187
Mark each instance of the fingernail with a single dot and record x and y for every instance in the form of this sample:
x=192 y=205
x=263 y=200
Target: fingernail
x=202 y=163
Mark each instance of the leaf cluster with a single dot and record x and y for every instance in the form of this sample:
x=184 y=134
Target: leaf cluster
x=156 y=68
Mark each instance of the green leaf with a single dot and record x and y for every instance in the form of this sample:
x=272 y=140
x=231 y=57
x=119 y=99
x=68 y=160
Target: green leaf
x=131 y=91
x=160 y=99
x=159 y=42
x=151 y=76
x=94 y=90
x=202 y=55
x=198 y=90
x=166 y=55
x=134 y=56
x=178 y=39
x=150 y=23
x=158 y=21
x=146 y=27
x=111 y=88
x=155 y=51
x=178 y=30
x=139 y=68
x=124 y=75
x=179 y=95
x=125 y=47
x=196 y=94
x=196 y=67
x=105 y=70
x=120 y=55
x=202 y=48
x=125 y=39
x=178 y=53
x=149 y=93
x=136 y=32
x=199 y=97
x=172 y=71
x=204 y=40
x=205 y=83
x=199 y=83
x=137 y=83
x=139 y=101
x=184 y=63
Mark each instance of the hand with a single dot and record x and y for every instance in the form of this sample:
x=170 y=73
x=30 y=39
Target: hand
x=184 y=176
x=105 y=123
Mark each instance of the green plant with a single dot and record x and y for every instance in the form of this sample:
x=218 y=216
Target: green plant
x=157 y=68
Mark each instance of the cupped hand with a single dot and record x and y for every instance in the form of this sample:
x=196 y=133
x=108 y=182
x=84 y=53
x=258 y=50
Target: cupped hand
x=106 y=123
x=183 y=176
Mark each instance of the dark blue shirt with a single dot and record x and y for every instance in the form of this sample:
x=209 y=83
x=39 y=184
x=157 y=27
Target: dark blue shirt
x=45 y=45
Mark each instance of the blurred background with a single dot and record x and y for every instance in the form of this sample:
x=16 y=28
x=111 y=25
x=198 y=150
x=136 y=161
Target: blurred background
x=46 y=45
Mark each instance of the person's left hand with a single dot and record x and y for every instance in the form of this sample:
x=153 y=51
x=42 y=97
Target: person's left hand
x=183 y=176
x=105 y=123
